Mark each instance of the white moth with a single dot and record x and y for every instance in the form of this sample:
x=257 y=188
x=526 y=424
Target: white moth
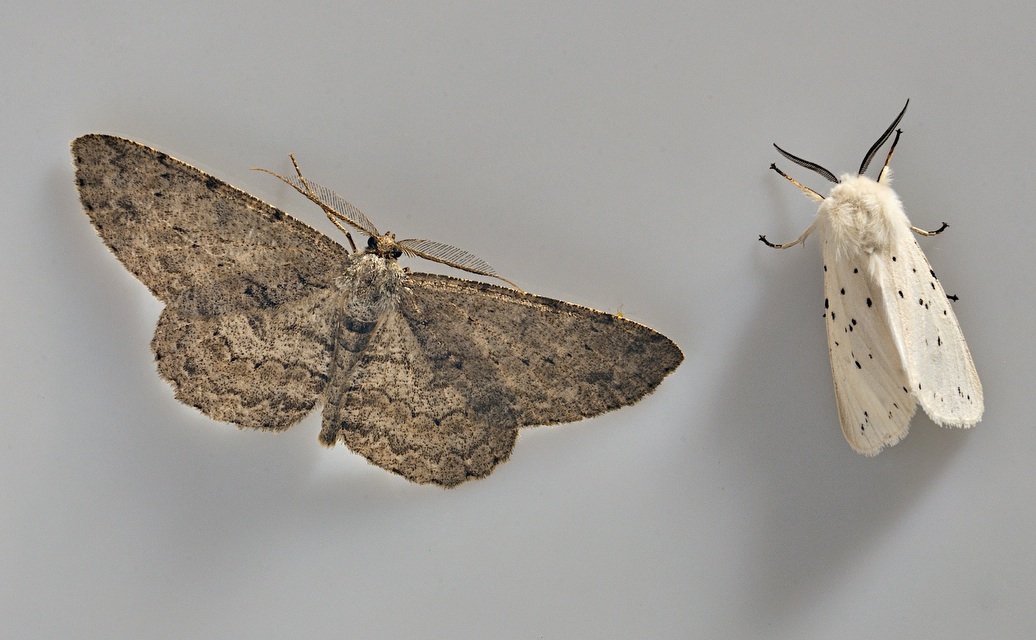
x=893 y=338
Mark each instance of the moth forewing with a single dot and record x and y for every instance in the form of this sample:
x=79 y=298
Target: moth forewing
x=937 y=360
x=873 y=407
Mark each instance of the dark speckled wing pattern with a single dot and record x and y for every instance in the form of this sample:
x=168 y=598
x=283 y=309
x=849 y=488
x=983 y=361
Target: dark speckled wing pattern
x=427 y=376
x=444 y=384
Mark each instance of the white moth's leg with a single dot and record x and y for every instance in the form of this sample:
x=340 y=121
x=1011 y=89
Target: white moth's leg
x=928 y=234
x=883 y=177
x=809 y=192
x=806 y=190
x=794 y=242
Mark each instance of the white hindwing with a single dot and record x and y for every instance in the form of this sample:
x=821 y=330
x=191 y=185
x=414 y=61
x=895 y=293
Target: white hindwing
x=871 y=384
x=940 y=372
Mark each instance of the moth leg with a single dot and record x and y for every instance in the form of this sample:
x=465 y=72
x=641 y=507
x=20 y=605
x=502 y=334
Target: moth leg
x=883 y=176
x=306 y=191
x=309 y=190
x=343 y=229
x=331 y=214
x=928 y=234
x=806 y=190
x=794 y=242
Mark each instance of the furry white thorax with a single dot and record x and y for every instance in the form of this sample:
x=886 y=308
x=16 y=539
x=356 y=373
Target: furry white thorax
x=862 y=216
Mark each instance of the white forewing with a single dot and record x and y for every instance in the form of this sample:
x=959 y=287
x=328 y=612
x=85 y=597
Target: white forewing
x=939 y=368
x=871 y=383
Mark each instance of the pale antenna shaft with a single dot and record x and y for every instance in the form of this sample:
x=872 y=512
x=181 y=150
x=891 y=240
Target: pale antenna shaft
x=328 y=199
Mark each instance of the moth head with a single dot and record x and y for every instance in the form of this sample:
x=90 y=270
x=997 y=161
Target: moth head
x=384 y=246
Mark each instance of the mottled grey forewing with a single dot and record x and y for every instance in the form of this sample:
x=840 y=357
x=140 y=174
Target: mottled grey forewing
x=555 y=361
x=444 y=383
x=246 y=332
x=194 y=240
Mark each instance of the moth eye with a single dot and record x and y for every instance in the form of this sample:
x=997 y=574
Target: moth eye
x=372 y=242
x=397 y=252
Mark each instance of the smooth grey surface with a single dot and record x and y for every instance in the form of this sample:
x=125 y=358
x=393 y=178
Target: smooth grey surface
x=606 y=155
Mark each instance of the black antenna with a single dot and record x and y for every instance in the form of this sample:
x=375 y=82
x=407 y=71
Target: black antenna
x=885 y=136
x=812 y=166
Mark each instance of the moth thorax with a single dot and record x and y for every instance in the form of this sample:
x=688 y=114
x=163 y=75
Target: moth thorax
x=371 y=285
x=861 y=216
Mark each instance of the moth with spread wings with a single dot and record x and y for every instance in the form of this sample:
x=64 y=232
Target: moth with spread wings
x=893 y=338
x=265 y=318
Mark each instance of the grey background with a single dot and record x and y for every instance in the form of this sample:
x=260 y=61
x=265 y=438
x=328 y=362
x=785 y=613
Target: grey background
x=605 y=154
